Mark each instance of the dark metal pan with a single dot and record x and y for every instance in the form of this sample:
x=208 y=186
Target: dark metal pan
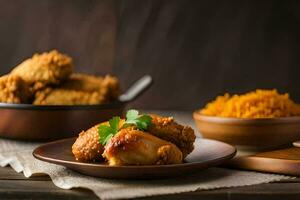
x=46 y=123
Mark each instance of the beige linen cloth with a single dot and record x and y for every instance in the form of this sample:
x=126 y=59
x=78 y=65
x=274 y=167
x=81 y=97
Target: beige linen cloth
x=19 y=156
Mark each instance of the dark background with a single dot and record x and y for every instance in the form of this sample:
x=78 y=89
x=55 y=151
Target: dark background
x=194 y=50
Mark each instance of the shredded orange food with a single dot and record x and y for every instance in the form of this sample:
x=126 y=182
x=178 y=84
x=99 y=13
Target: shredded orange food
x=256 y=104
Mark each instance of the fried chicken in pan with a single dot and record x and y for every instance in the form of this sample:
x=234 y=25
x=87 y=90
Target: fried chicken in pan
x=49 y=68
x=80 y=89
x=58 y=96
x=108 y=85
x=166 y=128
x=51 y=81
x=13 y=89
x=84 y=82
x=135 y=147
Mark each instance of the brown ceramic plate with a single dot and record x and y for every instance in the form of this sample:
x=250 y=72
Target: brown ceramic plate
x=46 y=123
x=250 y=134
x=207 y=153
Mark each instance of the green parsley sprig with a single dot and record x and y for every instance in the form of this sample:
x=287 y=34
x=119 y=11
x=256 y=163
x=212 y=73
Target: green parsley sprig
x=107 y=132
x=142 y=122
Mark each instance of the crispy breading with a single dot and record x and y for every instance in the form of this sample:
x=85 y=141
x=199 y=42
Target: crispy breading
x=84 y=82
x=87 y=146
x=57 y=96
x=110 y=88
x=167 y=129
x=135 y=147
x=108 y=85
x=13 y=89
x=80 y=89
x=45 y=69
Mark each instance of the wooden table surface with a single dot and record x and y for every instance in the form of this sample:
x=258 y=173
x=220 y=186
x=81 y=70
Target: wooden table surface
x=16 y=186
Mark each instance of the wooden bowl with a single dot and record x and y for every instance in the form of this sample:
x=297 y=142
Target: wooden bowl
x=250 y=134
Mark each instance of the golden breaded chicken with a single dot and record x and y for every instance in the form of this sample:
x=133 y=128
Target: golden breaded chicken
x=44 y=69
x=13 y=89
x=80 y=89
x=59 y=96
x=162 y=127
x=134 y=147
x=110 y=88
x=167 y=129
x=87 y=146
x=84 y=82
x=108 y=85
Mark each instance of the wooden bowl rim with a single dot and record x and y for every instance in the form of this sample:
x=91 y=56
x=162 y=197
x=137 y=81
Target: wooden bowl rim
x=247 y=121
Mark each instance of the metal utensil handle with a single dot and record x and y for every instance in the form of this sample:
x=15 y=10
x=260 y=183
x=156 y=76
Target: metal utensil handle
x=136 y=89
x=296 y=143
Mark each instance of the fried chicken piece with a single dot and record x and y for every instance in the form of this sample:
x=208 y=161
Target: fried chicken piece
x=80 y=89
x=167 y=129
x=134 y=147
x=165 y=142
x=87 y=146
x=13 y=89
x=84 y=82
x=45 y=69
x=108 y=85
x=59 y=96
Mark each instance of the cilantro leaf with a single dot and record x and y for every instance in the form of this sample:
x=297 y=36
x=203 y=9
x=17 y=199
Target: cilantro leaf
x=132 y=114
x=114 y=123
x=143 y=122
x=140 y=121
x=107 y=132
x=145 y=118
x=105 y=141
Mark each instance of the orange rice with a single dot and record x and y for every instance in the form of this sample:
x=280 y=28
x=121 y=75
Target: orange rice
x=256 y=104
